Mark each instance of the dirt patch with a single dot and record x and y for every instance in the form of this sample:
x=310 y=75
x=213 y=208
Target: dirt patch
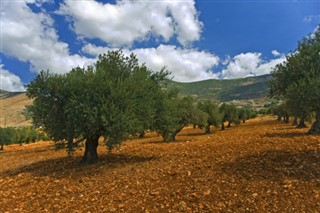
x=259 y=166
x=11 y=107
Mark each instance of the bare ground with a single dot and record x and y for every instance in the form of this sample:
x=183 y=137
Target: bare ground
x=259 y=166
x=11 y=107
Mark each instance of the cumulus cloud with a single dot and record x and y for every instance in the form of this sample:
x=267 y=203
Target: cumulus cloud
x=125 y=22
x=9 y=81
x=31 y=37
x=249 y=64
x=275 y=53
x=186 y=65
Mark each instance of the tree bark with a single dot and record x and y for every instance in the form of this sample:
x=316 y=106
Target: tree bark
x=141 y=134
x=1 y=147
x=165 y=136
x=295 y=121
x=229 y=124
x=301 y=123
x=243 y=121
x=222 y=125
x=172 y=136
x=207 y=129
x=90 y=153
x=279 y=118
x=315 y=128
x=70 y=146
x=286 y=120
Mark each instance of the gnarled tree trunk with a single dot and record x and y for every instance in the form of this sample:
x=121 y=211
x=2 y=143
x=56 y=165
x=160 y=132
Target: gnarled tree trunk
x=222 y=125
x=295 y=121
x=70 y=146
x=286 y=119
x=174 y=133
x=141 y=134
x=301 y=123
x=315 y=128
x=90 y=153
x=207 y=129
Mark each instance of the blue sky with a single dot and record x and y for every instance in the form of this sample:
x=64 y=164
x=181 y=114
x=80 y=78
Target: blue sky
x=195 y=40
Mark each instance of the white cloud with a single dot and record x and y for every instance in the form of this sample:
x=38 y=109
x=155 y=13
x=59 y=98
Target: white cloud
x=31 y=37
x=275 y=53
x=9 y=81
x=312 y=18
x=186 y=65
x=226 y=60
x=125 y=22
x=249 y=64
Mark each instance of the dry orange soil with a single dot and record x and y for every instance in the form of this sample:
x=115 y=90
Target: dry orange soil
x=11 y=110
x=259 y=166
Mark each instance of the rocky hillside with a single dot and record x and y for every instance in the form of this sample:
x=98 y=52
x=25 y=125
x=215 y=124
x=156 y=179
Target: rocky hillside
x=12 y=105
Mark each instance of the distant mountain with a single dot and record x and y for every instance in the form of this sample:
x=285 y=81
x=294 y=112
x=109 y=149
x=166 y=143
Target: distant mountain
x=2 y=92
x=5 y=94
x=226 y=89
x=243 y=89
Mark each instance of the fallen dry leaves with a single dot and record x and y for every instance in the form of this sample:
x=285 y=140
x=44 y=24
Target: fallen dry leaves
x=259 y=166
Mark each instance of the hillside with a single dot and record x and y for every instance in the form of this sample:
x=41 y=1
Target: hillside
x=226 y=90
x=11 y=106
x=244 y=89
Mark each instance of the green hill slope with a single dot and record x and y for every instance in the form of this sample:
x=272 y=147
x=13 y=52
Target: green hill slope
x=226 y=90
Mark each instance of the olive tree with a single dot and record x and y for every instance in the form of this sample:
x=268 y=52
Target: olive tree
x=214 y=116
x=296 y=81
x=100 y=100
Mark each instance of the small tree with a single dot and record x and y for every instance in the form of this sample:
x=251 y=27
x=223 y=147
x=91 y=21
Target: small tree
x=173 y=114
x=199 y=118
x=7 y=136
x=213 y=114
x=243 y=114
x=229 y=114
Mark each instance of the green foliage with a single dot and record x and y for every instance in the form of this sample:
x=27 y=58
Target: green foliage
x=174 y=113
x=229 y=114
x=212 y=112
x=297 y=81
x=21 y=135
x=252 y=114
x=244 y=114
x=279 y=110
x=263 y=111
x=114 y=98
x=7 y=136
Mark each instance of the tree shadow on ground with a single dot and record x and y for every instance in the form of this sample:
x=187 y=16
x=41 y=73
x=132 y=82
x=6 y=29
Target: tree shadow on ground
x=177 y=141
x=66 y=166
x=286 y=134
x=276 y=166
x=194 y=133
